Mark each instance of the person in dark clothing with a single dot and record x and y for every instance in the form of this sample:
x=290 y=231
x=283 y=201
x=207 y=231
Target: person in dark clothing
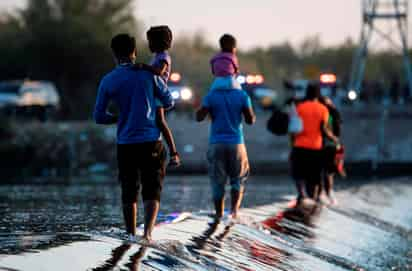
x=160 y=41
x=140 y=152
x=307 y=154
x=330 y=149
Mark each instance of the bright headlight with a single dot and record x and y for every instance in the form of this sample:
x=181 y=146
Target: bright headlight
x=175 y=95
x=352 y=95
x=186 y=94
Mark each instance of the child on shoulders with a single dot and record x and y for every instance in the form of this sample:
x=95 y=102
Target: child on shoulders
x=160 y=40
x=225 y=65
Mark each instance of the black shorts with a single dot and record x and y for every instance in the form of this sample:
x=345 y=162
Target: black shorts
x=141 y=166
x=307 y=165
x=329 y=165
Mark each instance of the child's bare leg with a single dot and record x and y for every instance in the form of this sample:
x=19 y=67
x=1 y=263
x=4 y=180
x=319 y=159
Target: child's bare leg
x=167 y=134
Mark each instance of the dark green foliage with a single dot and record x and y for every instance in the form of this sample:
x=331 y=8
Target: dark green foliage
x=67 y=42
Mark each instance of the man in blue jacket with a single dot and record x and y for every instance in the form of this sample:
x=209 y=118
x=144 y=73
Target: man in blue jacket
x=140 y=152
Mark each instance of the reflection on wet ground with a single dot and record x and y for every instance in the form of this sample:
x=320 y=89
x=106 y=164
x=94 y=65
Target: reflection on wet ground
x=117 y=255
x=295 y=222
x=77 y=227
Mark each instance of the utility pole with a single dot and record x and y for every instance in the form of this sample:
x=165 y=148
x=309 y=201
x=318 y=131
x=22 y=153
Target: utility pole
x=375 y=14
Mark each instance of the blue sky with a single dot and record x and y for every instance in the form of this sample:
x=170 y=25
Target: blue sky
x=254 y=23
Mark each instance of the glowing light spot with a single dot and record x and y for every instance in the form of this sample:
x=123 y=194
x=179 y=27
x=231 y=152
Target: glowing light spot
x=175 y=77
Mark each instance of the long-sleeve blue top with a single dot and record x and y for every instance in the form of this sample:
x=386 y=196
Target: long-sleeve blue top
x=134 y=93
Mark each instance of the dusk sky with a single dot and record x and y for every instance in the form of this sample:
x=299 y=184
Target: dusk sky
x=254 y=23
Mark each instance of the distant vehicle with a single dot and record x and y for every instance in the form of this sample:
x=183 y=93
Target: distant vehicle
x=298 y=88
x=329 y=86
x=33 y=98
x=183 y=95
x=262 y=96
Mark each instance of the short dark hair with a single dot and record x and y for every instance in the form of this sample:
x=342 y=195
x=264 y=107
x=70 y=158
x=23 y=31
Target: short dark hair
x=227 y=43
x=123 y=45
x=160 y=38
x=322 y=100
x=313 y=91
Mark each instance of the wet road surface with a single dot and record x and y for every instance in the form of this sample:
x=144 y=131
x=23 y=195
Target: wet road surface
x=77 y=226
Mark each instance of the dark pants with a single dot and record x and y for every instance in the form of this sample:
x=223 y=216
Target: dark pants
x=329 y=165
x=306 y=168
x=141 y=167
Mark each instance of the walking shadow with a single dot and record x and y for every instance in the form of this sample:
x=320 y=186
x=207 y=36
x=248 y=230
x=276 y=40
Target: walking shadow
x=297 y=221
x=116 y=256
x=199 y=242
x=210 y=243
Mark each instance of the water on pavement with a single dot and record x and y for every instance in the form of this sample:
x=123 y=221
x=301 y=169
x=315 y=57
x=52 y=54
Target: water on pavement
x=49 y=225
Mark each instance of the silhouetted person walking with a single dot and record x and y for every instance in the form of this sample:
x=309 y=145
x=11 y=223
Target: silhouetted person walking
x=330 y=149
x=140 y=153
x=307 y=156
x=227 y=156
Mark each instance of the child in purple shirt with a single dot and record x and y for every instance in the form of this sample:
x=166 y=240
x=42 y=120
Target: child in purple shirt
x=160 y=40
x=225 y=65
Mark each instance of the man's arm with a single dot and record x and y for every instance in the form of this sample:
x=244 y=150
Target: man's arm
x=248 y=113
x=156 y=70
x=328 y=133
x=201 y=114
x=101 y=116
x=337 y=122
x=163 y=94
x=325 y=127
x=164 y=128
x=161 y=68
x=203 y=111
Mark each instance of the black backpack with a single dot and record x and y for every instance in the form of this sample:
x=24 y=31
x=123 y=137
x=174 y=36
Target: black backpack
x=278 y=123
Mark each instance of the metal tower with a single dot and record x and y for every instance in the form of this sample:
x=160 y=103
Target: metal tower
x=375 y=15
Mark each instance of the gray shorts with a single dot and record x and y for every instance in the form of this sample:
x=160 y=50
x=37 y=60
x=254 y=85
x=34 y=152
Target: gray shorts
x=227 y=161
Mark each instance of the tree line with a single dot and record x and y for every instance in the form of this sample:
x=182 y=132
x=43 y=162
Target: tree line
x=67 y=42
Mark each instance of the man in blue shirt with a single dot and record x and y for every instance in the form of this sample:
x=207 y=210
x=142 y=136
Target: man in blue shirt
x=227 y=156
x=140 y=153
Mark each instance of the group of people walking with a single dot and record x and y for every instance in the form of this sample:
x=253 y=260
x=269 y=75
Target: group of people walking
x=314 y=149
x=140 y=92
